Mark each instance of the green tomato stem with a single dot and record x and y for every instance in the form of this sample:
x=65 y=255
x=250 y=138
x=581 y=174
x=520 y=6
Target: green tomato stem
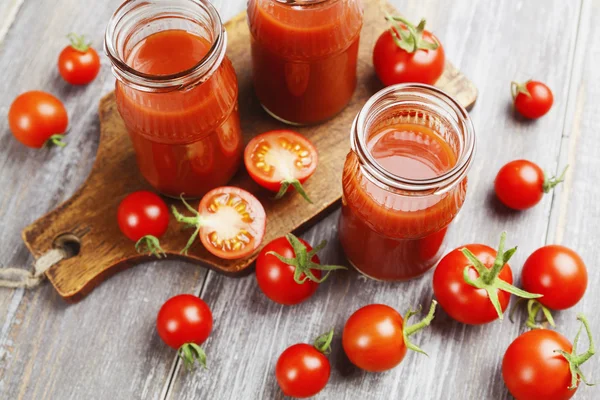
x=412 y=329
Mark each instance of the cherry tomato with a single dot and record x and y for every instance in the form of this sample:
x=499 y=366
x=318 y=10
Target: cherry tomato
x=230 y=221
x=184 y=322
x=303 y=370
x=375 y=336
x=37 y=118
x=78 y=63
x=558 y=273
x=532 y=99
x=485 y=296
x=521 y=184
x=281 y=160
x=405 y=53
x=288 y=270
x=536 y=365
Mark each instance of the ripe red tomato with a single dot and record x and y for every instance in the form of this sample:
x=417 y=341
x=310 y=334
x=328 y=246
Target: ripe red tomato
x=78 y=63
x=36 y=118
x=288 y=271
x=558 y=273
x=144 y=217
x=405 y=53
x=230 y=222
x=375 y=337
x=521 y=184
x=536 y=365
x=184 y=322
x=281 y=160
x=303 y=370
x=485 y=297
x=532 y=99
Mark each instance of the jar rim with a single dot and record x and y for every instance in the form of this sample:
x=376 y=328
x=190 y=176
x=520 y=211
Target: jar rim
x=302 y=3
x=149 y=82
x=438 y=184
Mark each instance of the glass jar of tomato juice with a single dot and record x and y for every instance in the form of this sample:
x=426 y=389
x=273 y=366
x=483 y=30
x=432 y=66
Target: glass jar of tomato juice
x=177 y=93
x=404 y=180
x=304 y=56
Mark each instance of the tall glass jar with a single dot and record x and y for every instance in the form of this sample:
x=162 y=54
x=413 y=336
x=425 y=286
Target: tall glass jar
x=304 y=56
x=177 y=93
x=404 y=180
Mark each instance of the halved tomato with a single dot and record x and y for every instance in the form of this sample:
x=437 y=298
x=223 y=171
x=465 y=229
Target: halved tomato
x=230 y=222
x=279 y=159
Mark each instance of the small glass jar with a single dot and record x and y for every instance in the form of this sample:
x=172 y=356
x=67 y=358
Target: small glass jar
x=392 y=227
x=177 y=93
x=304 y=56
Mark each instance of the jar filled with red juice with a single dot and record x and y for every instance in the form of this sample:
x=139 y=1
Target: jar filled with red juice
x=177 y=93
x=404 y=180
x=304 y=56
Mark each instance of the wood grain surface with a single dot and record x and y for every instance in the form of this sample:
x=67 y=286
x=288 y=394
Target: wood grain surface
x=103 y=251
x=105 y=347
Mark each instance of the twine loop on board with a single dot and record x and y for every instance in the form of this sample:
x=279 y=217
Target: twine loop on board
x=22 y=278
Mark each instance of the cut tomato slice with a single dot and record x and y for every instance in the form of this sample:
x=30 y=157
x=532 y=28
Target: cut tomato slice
x=230 y=222
x=279 y=160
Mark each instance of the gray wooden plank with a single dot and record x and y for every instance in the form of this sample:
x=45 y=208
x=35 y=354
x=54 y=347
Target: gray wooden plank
x=493 y=43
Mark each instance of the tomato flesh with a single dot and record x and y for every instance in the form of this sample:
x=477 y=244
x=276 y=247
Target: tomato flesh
x=302 y=371
x=277 y=156
x=233 y=222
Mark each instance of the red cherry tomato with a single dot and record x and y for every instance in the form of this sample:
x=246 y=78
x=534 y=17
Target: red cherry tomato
x=37 y=118
x=288 y=271
x=303 y=370
x=281 y=160
x=405 y=53
x=536 y=365
x=184 y=322
x=230 y=222
x=532 y=99
x=78 y=63
x=558 y=273
x=374 y=336
x=521 y=184
x=487 y=269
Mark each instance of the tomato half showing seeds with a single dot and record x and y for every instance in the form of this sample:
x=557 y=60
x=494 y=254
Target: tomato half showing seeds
x=78 y=63
x=376 y=338
x=184 y=322
x=521 y=184
x=303 y=370
x=281 y=160
x=37 y=118
x=288 y=270
x=542 y=364
x=405 y=53
x=230 y=222
x=144 y=217
x=532 y=99
x=473 y=283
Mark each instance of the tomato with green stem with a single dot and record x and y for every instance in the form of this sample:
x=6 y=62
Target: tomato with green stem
x=38 y=118
x=184 y=322
x=281 y=160
x=376 y=338
x=405 y=53
x=559 y=274
x=78 y=63
x=531 y=99
x=473 y=283
x=303 y=370
x=521 y=184
x=542 y=364
x=288 y=270
x=144 y=217
x=229 y=221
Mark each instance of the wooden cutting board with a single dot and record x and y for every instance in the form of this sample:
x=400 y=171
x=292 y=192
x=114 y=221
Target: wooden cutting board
x=87 y=225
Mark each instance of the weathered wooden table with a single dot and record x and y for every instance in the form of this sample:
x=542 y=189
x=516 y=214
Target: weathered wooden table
x=106 y=347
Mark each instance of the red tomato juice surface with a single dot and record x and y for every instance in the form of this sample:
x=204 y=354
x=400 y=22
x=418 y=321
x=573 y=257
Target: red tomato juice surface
x=398 y=237
x=187 y=141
